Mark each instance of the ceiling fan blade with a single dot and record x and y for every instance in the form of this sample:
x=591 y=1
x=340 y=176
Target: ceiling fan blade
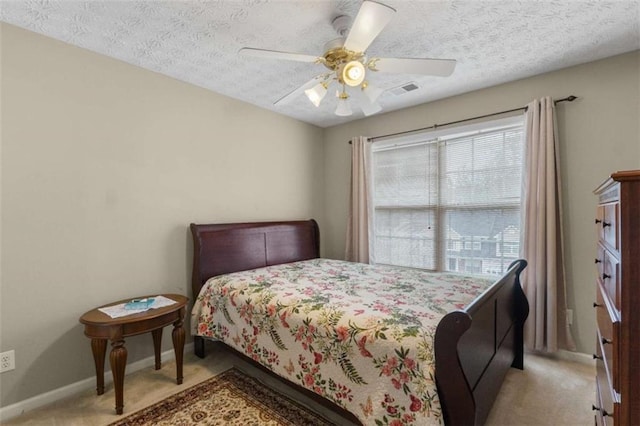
x=275 y=54
x=426 y=66
x=370 y=21
x=297 y=91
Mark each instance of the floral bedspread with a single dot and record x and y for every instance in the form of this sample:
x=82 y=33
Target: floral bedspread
x=359 y=335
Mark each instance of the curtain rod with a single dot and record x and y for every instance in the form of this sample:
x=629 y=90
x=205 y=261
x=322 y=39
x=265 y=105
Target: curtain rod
x=570 y=98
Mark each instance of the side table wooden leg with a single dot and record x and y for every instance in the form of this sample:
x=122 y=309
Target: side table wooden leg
x=118 y=359
x=178 y=348
x=157 y=343
x=99 y=349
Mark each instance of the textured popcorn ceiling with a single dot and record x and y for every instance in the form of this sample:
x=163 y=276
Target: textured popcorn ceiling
x=197 y=41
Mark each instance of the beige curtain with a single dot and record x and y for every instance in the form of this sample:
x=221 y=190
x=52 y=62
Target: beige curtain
x=543 y=280
x=357 y=248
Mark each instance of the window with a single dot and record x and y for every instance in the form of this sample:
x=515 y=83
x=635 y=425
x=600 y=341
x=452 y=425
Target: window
x=449 y=200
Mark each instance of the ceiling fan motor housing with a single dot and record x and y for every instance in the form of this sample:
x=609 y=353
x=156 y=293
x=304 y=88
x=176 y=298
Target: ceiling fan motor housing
x=341 y=24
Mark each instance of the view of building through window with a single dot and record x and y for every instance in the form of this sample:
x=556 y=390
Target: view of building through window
x=449 y=203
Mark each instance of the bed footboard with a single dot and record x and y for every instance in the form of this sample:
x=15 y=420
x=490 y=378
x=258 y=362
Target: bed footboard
x=475 y=347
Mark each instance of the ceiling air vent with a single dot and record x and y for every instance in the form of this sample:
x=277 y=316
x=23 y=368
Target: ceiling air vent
x=407 y=87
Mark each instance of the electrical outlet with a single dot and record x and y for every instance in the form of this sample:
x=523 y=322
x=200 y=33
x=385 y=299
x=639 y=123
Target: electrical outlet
x=570 y=316
x=7 y=361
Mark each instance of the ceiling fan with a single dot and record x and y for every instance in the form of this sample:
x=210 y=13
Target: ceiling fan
x=348 y=64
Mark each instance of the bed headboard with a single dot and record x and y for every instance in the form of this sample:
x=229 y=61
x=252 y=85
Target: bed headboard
x=224 y=248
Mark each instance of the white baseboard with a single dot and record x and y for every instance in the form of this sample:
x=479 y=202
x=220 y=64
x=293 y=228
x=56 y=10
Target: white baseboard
x=576 y=357
x=566 y=355
x=43 y=399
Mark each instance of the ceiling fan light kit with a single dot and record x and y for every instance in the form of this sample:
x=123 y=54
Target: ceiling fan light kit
x=353 y=73
x=317 y=93
x=372 y=93
x=343 y=109
x=370 y=109
x=348 y=64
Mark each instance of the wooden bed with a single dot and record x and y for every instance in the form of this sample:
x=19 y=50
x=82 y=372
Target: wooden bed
x=474 y=347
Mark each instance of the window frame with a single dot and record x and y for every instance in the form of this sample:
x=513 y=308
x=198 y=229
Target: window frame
x=441 y=260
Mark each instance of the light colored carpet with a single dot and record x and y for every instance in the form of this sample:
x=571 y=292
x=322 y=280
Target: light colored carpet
x=548 y=392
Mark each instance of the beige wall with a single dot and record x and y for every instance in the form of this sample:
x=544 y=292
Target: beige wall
x=104 y=165
x=599 y=134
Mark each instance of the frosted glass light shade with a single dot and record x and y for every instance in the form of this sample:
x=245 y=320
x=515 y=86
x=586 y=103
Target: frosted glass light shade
x=343 y=109
x=370 y=108
x=372 y=93
x=316 y=93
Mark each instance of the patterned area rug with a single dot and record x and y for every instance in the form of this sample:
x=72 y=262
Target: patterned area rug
x=231 y=398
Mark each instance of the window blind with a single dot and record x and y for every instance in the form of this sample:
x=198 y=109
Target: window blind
x=450 y=202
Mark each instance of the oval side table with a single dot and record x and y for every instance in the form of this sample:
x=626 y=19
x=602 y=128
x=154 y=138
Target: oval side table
x=100 y=328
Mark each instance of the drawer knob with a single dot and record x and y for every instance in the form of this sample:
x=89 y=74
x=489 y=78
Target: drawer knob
x=604 y=224
x=597 y=357
x=598 y=261
x=606 y=341
x=605 y=276
x=604 y=412
x=595 y=305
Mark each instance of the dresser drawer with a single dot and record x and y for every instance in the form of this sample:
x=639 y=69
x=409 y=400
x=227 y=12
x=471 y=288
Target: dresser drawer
x=608 y=394
x=608 y=337
x=598 y=420
x=607 y=224
x=603 y=416
x=599 y=261
x=609 y=274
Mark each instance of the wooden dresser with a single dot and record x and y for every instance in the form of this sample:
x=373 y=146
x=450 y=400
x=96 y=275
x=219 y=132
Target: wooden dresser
x=617 y=302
